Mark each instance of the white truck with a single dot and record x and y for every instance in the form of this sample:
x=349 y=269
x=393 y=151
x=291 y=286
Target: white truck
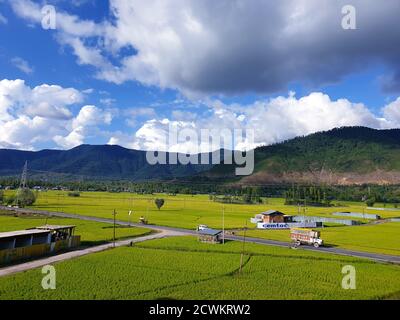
x=301 y=236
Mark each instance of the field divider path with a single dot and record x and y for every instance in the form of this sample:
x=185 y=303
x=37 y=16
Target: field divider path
x=82 y=252
x=180 y=231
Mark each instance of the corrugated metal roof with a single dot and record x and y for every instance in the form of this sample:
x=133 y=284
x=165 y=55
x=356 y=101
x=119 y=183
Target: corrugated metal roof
x=38 y=230
x=50 y=227
x=12 y=234
x=210 y=232
x=269 y=212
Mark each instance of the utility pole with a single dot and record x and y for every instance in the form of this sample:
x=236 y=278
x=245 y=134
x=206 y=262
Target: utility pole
x=114 y=214
x=131 y=212
x=242 y=254
x=223 y=224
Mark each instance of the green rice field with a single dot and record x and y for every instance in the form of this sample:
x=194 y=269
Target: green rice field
x=182 y=268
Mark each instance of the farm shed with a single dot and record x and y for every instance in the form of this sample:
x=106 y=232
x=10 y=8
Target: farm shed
x=273 y=216
x=58 y=232
x=210 y=236
x=35 y=242
x=25 y=238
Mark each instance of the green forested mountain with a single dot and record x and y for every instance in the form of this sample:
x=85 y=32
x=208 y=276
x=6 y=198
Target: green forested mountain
x=87 y=161
x=352 y=155
x=340 y=156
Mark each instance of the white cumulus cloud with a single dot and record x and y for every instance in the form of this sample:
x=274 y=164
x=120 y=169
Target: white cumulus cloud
x=83 y=125
x=272 y=121
x=30 y=116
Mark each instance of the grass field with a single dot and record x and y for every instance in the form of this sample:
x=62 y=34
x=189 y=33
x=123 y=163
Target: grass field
x=181 y=211
x=187 y=211
x=186 y=269
x=91 y=233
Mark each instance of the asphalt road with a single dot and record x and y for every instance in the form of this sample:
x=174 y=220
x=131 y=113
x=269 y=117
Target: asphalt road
x=332 y=250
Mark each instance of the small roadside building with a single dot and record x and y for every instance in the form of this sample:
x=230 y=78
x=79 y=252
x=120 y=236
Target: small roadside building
x=273 y=216
x=58 y=233
x=36 y=242
x=210 y=236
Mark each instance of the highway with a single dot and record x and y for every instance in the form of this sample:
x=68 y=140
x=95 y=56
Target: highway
x=180 y=231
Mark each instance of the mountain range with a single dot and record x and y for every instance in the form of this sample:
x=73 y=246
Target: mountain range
x=92 y=161
x=343 y=156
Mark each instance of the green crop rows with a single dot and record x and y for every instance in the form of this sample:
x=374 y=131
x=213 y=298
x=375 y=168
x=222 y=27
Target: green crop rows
x=182 y=268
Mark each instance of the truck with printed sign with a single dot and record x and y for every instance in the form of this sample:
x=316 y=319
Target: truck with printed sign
x=310 y=237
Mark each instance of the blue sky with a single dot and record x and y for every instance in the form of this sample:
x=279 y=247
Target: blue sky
x=180 y=76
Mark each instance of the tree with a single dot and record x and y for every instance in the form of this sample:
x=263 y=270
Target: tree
x=159 y=203
x=1 y=196
x=370 y=202
x=25 y=197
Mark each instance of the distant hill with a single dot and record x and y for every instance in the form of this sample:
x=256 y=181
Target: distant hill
x=88 y=161
x=351 y=155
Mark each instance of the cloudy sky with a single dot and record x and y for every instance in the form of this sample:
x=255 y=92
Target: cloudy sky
x=122 y=72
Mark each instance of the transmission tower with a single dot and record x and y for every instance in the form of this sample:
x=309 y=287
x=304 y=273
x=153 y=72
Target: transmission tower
x=24 y=176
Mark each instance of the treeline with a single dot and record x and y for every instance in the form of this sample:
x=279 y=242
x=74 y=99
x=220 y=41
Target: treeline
x=317 y=195
x=170 y=187
x=247 y=194
x=307 y=196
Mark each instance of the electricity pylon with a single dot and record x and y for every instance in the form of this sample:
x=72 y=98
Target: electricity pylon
x=24 y=176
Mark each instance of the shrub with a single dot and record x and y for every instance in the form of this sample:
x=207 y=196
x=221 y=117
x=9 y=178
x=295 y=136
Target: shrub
x=25 y=197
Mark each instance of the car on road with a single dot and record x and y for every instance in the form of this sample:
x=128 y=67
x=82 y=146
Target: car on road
x=202 y=227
